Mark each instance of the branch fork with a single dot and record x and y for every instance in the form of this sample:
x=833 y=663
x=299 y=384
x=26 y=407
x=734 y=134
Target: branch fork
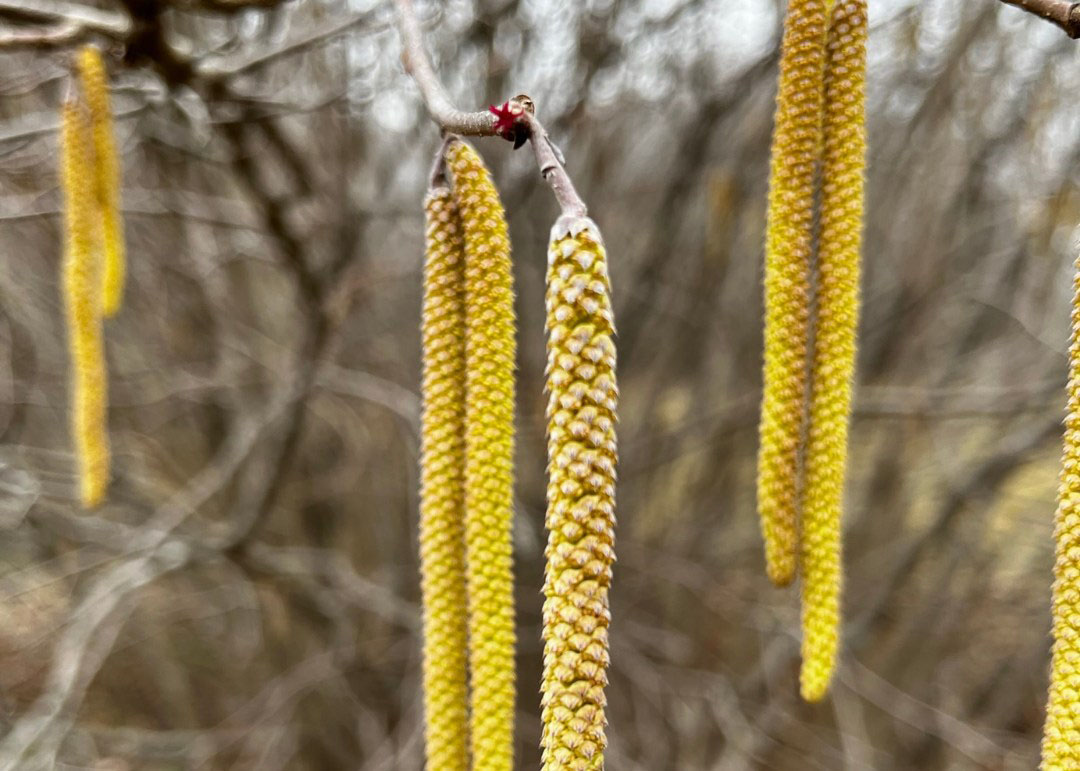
x=515 y=121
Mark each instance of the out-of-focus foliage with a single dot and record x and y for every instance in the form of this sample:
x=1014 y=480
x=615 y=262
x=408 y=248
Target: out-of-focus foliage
x=248 y=595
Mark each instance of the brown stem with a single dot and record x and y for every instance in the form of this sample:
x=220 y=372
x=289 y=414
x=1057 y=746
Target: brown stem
x=455 y=121
x=1060 y=12
x=437 y=178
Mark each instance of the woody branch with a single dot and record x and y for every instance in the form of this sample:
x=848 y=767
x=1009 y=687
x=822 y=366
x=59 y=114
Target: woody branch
x=454 y=121
x=1064 y=14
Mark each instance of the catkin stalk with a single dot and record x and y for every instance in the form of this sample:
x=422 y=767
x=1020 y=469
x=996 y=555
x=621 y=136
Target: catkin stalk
x=788 y=246
x=1061 y=733
x=442 y=489
x=81 y=277
x=836 y=321
x=106 y=176
x=582 y=397
x=490 y=350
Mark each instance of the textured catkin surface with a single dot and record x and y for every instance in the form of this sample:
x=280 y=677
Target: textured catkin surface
x=788 y=244
x=836 y=322
x=442 y=488
x=490 y=349
x=582 y=396
x=106 y=177
x=1061 y=734
x=82 y=304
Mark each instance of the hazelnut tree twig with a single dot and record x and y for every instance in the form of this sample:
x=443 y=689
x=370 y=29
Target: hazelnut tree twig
x=484 y=123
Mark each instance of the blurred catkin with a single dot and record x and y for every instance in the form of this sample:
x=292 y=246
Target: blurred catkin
x=836 y=322
x=442 y=488
x=1061 y=734
x=81 y=281
x=788 y=244
x=106 y=176
x=490 y=349
x=582 y=397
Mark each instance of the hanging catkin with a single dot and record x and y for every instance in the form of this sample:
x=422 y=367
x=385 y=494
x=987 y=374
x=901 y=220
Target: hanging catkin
x=1061 y=734
x=442 y=488
x=836 y=321
x=81 y=282
x=582 y=396
x=106 y=177
x=795 y=149
x=490 y=350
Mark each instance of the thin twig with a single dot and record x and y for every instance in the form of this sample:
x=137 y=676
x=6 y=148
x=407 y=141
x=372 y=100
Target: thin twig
x=86 y=18
x=62 y=34
x=1060 y=12
x=437 y=177
x=455 y=121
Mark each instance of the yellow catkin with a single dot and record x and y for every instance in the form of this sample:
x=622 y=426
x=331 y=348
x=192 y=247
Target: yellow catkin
x=442 y=489
x=82 y=302
x=839 y=248
x=795 y=149
x=582 y=396
x=489 y=449
x=106 y=176
x=1061 y=734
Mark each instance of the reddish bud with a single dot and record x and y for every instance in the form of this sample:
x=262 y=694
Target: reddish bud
x=509 y=124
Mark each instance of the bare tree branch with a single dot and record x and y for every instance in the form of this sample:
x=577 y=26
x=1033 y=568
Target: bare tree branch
x=82 y=18
x=62 y=34
x=224 y=66
x=1064 y=14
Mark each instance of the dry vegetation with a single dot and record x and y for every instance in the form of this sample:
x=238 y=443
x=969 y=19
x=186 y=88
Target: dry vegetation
x=247 y=598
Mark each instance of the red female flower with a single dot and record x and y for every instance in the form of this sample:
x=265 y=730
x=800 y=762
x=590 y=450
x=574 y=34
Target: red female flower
x=509 y=123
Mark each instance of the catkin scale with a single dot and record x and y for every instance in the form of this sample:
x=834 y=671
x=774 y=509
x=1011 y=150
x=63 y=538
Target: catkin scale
x=442 y=488
x=789 y=242
x=490 y=350
x=1061 y=732
x=835 y=325
x=81 y=277
x=106 y=177
x=582 y=397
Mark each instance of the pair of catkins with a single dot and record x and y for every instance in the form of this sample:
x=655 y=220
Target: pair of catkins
x=820 y=136
x=94 y=262
x=467 y=427
x=466 y=508
x=818 y=156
